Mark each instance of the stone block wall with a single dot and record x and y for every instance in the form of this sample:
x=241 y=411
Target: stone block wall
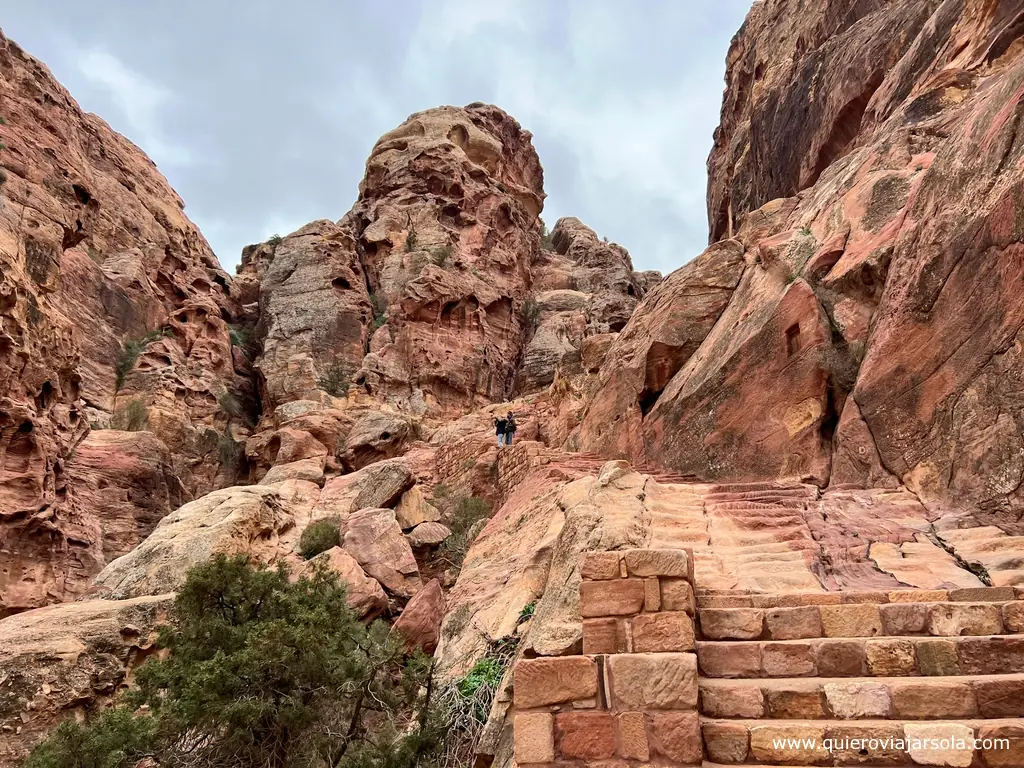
x=515 y=463
x=631 y=698
x=455 y=464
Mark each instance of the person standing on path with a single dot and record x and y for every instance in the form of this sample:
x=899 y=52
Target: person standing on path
x=510 y=428
x=500 y=425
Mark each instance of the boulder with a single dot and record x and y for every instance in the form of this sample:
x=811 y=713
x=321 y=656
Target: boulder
x=378 y=485
x=413 y=509
x=373 y=538
x=364 y=594
x=420 y=622
x=261 y=521
x=428 y=535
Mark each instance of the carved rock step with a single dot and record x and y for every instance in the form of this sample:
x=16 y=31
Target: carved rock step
x=745 y=598
x=862 y=657
x=937 y=619
x=844 y=698
x=749 y=742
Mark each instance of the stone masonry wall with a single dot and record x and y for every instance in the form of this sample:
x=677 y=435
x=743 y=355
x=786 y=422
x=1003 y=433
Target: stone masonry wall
x=455 y=463
x=515 y=463
x=631 y=698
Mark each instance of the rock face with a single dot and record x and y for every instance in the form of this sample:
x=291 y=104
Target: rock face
x=64 y=660
x=866 y=172
x=95 y=253
x=416 y=297
x=584 y=288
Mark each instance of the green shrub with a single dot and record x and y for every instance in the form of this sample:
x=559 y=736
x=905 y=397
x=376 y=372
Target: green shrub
x=410 y=241
x=464 y=705
x=465 y=514
x=379 y=304
x=274 y=240
x=229 y=450
x=319 y=537
x=264 y=672
x=527 y=613
x=335 y=380
x=531 y=313
x=240 y=336
x=133 y=417
x=114 y=739
x=130 y=352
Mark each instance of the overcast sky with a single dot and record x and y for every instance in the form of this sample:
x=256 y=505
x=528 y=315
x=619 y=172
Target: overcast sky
x=261 y=112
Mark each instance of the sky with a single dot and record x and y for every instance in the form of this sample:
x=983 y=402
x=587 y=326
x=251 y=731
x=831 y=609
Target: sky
x=261 y=113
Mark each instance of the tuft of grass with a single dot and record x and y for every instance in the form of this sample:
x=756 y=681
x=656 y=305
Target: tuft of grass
x=410 y=241
x=379 y=304
x=130 y=354
x=335 y=380
x=133 y=417
x=805 y=231
x=441 y=255
x=229 y=404
x=320 y=537
x=274 y=240
x=528 y=610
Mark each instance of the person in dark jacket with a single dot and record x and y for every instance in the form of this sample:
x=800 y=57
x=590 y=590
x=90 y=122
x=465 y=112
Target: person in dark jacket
x=500 y=425
x=510 y=428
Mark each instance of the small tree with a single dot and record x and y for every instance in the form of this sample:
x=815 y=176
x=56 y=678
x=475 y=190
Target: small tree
x=264 y=672
x=547 y=240
x=335 y=380
x=379 y=304
x=466 y=514
x=319 y=537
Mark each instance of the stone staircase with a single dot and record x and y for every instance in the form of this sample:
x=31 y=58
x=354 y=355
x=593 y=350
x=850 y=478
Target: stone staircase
x=851 y=667
x=857 y=624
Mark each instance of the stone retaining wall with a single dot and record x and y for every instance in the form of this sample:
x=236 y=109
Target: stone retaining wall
x=455 y=463
x=631 y=698
x=515 y=463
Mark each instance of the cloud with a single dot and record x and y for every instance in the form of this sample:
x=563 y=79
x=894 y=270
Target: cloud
x=140 y=101
x=265 y=119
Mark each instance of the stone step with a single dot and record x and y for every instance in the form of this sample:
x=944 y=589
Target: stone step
x=743 y=598
x=862 y=657
x=750 y=742
x=936 y=619
x=844 y=698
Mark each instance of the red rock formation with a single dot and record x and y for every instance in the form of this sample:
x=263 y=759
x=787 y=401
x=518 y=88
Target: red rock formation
x=95 y=253
x=867 y=165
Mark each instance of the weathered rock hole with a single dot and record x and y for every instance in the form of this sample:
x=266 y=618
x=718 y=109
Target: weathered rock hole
x=460 y=136
x=341 y=284
x=793 y=340
x=81 y=193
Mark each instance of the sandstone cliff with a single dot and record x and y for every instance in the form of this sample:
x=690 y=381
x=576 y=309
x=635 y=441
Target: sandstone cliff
x=856 y=320
x=113 y=309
